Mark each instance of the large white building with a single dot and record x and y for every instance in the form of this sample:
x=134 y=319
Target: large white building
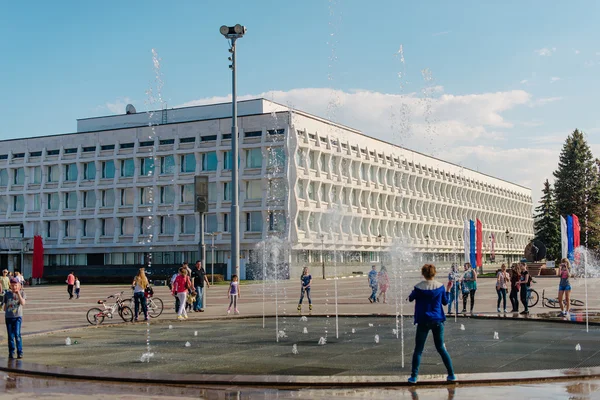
x=121 y=188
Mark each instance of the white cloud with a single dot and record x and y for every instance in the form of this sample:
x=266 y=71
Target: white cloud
x=545 y=52
x=524 y=81
x=576 y=51
x=116 y=107
x=554 y=79
x=543 y=101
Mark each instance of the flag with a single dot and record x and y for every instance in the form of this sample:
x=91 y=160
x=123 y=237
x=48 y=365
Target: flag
x=564 y=241
x=467 y=240
x=570 y=238
x=576 y=236
x=493 y=252
x=37 y=268
x=472 y=235
x=479 y=243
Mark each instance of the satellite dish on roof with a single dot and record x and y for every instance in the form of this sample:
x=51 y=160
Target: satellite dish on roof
x=130 y=109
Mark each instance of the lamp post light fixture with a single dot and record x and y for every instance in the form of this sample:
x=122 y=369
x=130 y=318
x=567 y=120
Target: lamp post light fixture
x=427 y=247
x=322 y=237
x=507 y=233
x=380 y=239
x=232 y=33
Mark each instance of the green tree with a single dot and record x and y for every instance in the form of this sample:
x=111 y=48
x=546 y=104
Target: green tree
x=577 y=186
x=546 y=225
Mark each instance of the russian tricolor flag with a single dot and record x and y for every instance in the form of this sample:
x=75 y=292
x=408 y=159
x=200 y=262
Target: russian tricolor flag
x=473 y=241
x=569 y=236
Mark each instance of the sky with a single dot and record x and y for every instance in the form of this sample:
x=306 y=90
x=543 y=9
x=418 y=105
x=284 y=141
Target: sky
x=492 y=86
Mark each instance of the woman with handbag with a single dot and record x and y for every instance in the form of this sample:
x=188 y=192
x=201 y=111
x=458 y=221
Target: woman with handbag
x=181 y=286
x=140 y=284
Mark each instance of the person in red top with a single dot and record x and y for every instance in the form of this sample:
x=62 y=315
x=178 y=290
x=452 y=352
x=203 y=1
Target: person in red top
x=181 y=285
x=70 y=284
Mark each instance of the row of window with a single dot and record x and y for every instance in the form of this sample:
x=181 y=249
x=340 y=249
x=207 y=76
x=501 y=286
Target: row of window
x=254 y=159
x=276 y=189
x=167 y=225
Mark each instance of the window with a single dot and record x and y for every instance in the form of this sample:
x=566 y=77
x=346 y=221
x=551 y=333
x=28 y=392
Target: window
x=253 y=134
x=3 y=203
x=107 y=147
x=167 y=195
x=363 y=172
x=254 y=158
x=145 y=225
x=89 y=199
x=254 y=190
x=311 y=222
x=18 y=203
x=89 y=149
x=209 y=161
x=188 y=163
x=70 y=228
x=108 y=169
x=126 y=226
x=212 y=192
x=187 y=140
x=53 y=173
x=301 y=158
x=89 y=171
x=146 y=195
x=311 y=191
x=225 y=222
x=126 y=146
x=227 y=160
x=89 y=227
x=210 y=223
x=147 y=166
x=300 y=189
x=53 y=152
x=166 y=141
x=188 y=224
x=208 y=138
x=254 y=221
x=36 y=203
x=167 y=225
x=3 y=177
x=227 y=192
x=35 y=154
x=187 y=193
x=52 y=201
x=127 y=168
x=311 y=160
x=300 y=221
x=147 y=144
x=70 y=200
x=108 y=198
x=324 y=165
x=19 y=177
x=71 y=172
x=71 y=151
x=52 y=229
x=36 y=175
x=276 y=131
x=108 y=227
x=277 y=221
x=127 y=196
x=276 y=157
x=167 y=165
x=277 y=189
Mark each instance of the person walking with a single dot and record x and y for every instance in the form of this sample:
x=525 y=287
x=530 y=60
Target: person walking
x=181 y=286
x=524 y=283
x=372 y=279
x=383 y=280
x=502 y=284
x=452 y=287
x=305 y=281
x=564 y=287
x=429 y=297
x=140 y=284
x=13 y=315
x=198 y=280
x=233 y=294
x=469 y=283
x=4 y=285
x=171 y=282
x=515 y=276
x=70 y=283
x=77 y=287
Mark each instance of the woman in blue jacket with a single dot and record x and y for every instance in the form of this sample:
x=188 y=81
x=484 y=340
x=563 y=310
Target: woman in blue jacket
x=429 y=296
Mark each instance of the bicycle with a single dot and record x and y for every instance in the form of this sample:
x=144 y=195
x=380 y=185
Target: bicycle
x=554 y=303
x=532 y=297
x=95 y=315
x=154 y=304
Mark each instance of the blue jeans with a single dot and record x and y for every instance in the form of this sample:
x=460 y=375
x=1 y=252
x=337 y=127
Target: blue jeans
x=373 y=293
x=451 y=297
x=13 y=329
x=437 y=328
x=307 y=290
x=139 y=299
x=198 y=303
x=501 y=297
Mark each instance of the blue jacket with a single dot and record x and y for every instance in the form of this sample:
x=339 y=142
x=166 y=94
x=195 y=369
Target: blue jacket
x=430 y=297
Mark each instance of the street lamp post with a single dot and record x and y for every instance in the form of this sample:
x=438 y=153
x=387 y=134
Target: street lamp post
x=212 y=257
x=233 y=33
x=322 y=236
x=426 y=248
x=507 y=233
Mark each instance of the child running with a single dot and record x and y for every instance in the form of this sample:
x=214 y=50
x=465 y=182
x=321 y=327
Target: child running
x=233 y=294
x=305 y=280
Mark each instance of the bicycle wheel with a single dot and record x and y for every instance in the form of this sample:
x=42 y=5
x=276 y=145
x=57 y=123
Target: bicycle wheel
x=551 y=303
x=95 y=316
x=126 y=313
x=533 y=298
x=155 y=307
x=577 y=303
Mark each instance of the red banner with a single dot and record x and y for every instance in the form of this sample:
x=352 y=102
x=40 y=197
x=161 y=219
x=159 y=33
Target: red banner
x=38 y=257
x=576 y=237
x=479 y=244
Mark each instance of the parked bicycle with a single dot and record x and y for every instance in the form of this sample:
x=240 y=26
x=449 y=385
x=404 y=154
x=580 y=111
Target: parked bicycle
x=95 y=315
x=554 y=303
x=532 y=297
x=155 y=305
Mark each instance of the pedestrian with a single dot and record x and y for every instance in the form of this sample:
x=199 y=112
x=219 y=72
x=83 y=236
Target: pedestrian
x=430 y=298
x=452 y=287
x=140 y=284
x=199 y=278
x=383 y=280
x=171 y=281
x=502 y=284
x=564 y=287
x=20 y=278
x=187 y=267
x=305 y=281
x=181 y=286
x=524 y=283
x=233 y=294
x=4 y=285
x=515 y=276
x=77 y=287
x=70 y=283
x=372 y=279
x=13 y=315
x=469 y=286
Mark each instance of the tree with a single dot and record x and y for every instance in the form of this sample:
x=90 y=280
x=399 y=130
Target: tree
x=546 y=223
x=577 y=187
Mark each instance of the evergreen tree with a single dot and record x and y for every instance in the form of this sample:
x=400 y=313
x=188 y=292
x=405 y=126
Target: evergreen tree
x=547 y=225
x=577 y=186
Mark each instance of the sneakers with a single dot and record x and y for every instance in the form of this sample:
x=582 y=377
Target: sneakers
x=370 y=300
x=310 y=307
x=449 y=313
x=499 y=310
x=505 y=310
x=228 y=311
x=180 y=318
x=524 y=312
x=19 y=356
x=412 y=380
x=299 y=307
x=185 y=316
x=11 y=356
x=464 y=311
x=237 y=312
x=451 y=378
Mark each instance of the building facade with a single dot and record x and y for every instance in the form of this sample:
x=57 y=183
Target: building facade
x=119 y=193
